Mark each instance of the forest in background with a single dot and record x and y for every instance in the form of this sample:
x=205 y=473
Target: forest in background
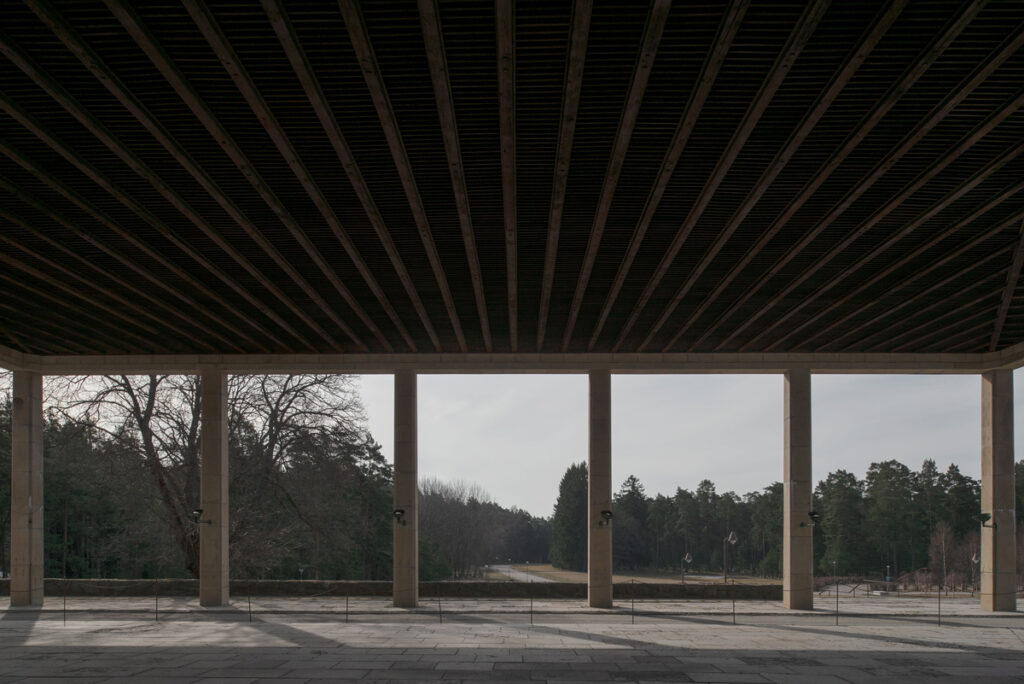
x=311 y=498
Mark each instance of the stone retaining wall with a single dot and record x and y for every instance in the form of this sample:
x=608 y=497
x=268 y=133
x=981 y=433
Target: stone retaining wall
x=311 y=588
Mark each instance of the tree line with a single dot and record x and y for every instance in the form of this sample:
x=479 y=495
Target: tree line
x=892 y=522
x=310 y=491
x=311 y=497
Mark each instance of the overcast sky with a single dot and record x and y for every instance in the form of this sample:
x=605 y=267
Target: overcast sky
x=515 y=435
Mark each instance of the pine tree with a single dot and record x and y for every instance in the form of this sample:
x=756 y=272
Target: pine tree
x=569 y=523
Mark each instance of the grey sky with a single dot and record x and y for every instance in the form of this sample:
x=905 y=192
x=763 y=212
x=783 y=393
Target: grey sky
x=514 y=435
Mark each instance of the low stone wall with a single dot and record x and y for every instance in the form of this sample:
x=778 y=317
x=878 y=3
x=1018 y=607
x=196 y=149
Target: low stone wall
x=313 y=588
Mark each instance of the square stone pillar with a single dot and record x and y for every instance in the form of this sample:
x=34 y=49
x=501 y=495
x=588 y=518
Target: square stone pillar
x=998 y=543
x=599 y=487
x=213 y=490
x=27 y=490
x=405 y=587
x=797 y=539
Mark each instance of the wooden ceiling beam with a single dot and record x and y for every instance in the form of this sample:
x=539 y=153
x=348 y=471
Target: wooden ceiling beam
x=52 y=343
x=843 y=75
x=360 y=38
x=992 y=232
x=1012 y=279
x=152 y=342
x=868 y=123
x=798 y=37
x=947 y=339
x=885 y=245
x=729 y=25
x=278 y=17
x=654 y=27
x=571 y=88
x=934 y=318
x=124 y=198
x=77 y=320
x=140 y=312
x=106 y=76
x=132 y=160
x=232 y=64
x=128 y=236
x=433 y=39
x=133 y=266
x=505 y=28
x=891 y=205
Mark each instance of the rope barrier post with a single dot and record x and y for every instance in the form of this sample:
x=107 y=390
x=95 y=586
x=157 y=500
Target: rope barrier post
x=248 y=598
x=732 y=594
x=65 y=601
x=632 y=601
x=938 y=615
x=440 y=617
x=347 y=591
x=156 y=601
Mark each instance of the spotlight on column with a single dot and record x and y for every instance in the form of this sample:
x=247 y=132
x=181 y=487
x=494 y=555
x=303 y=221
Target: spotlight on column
x=197 y=514
x=983 y=518
x=815 y=517
x=606 y=518
x=399 y=516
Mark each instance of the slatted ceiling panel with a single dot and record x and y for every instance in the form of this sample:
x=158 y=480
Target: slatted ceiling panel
x=844 y=302
x=614 y=29
x=471 y=49
x=760 y=39
x=321 y=33
x=395 y=34
x=542 y=38
x=204 y=72
x=260 y=52
x=685 y=41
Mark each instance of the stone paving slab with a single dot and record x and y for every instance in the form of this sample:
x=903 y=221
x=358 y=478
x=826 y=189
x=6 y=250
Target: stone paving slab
x=573 y=646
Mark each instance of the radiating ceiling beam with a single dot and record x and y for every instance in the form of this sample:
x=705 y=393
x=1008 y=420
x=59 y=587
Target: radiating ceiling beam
x=318 y=100
x=934 y=319
x=142 y=212
x=138 y=270
x=842 y=76
x=571 y=88
x=132 y=160
x=505 y=28
x=921 y=272
x=921 y=249
x=1012 y=279
x=908 y=191
x=128 y=236
x=232 y=64
x=99 y=69
x=868 y=123
x=151 y=342
x=39 y=332
x=78 y=320
x=989 y=170
x=360 y=39
x=948 y=338
x=654 y=27
x=798 y=37
x=77 y=330
x=163 y=326
x=720 y=45
x=433 y=39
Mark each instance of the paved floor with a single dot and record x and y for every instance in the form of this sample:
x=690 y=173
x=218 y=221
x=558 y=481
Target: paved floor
x=307 y=640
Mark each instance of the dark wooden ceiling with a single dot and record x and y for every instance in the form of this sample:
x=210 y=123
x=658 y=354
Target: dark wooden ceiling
x=502 y=175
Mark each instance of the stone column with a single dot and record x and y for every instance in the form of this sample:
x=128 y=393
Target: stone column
x=998 y=550
x=599 y=486
x=213 y=490
x=405 y=591
x=797 y=534
x=27 y=490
